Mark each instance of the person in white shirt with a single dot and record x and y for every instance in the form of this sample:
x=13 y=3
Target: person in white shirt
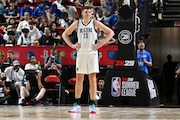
x=59 y=5
x=72 y=12
x=34 y=32
x=15 y=74
x=32 y=65
x=24 y=23
x=25 y=39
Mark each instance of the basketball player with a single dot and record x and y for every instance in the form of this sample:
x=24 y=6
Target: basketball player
x=87 y=54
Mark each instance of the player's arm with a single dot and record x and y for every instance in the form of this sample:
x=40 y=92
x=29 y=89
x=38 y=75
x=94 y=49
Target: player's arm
x=105 y=29
x=68 y=31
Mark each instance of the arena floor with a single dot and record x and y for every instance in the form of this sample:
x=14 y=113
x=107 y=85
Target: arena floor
x=103 y=113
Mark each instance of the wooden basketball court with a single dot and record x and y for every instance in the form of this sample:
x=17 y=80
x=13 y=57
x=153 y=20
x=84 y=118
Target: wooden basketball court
x=9 y=112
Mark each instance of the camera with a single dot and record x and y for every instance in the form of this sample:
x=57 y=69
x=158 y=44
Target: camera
x=30 y=74
x=52 y=60
x=3 y=78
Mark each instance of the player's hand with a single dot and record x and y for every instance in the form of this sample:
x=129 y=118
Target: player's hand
x=97 y=46
x=76 y=46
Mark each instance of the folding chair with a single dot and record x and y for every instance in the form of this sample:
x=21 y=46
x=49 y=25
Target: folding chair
x=71 y=82
x=53 y=84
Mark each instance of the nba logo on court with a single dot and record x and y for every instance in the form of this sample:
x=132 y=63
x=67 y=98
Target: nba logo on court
x=116 y=86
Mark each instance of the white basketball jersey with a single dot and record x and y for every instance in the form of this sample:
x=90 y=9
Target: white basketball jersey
x=86 y=34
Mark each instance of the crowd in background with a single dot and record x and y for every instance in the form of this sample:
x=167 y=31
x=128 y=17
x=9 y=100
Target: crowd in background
x=34 y=23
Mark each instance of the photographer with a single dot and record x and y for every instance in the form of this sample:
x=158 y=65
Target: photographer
x=8 y=94
x=53 y=61
x=34 y=89
x=15 y=74
x=4 y=90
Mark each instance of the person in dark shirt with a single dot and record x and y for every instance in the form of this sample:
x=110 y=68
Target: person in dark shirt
x=9 y=61
x=34 y=89
x=168 y=75
x=12 y=11
x=2 y=42
x=7 y=93
x=55 y=33
x=2 y=18
x=47 y=38
x=53 y=61
x=4 y=90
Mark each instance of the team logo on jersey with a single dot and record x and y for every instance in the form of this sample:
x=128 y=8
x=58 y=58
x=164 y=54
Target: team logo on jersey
x=125 y=37
x=116 y=86
x=2 y=55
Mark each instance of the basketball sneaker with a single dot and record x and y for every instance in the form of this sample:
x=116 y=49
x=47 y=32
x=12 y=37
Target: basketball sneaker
x=92 y=108
x=75 y=108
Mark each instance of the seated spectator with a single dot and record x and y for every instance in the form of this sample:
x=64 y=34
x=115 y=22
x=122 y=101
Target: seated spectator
x=110 y=3
x=77 y=2
x=72 y=11
x=12 y=11
x=47 y=38
x=4 y=90
x=17 y=34
x=15 y=74
x=39 y=11
x=55 y=33
x=34 y=32
x=100 y=17
x=59 y=5
x=2 y=42
x=9 y=61
x=115 y=5
x=26 y=8
x=56 y=12
x=53 y=61
x=10 y=41
x=7 y=94
x=49 y=15
x=11 y=22
x=24 y=23
x=64 y=21
x=105 y=8
x=32 y=65
x=43 y=22
x=113 y=20
x=100 y=87
x=34 y=89
x=25 y=39
x=11 y=36
x=2 y=18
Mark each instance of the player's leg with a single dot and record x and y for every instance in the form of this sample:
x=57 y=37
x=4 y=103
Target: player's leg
x=78 y=91
x=92 y=92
